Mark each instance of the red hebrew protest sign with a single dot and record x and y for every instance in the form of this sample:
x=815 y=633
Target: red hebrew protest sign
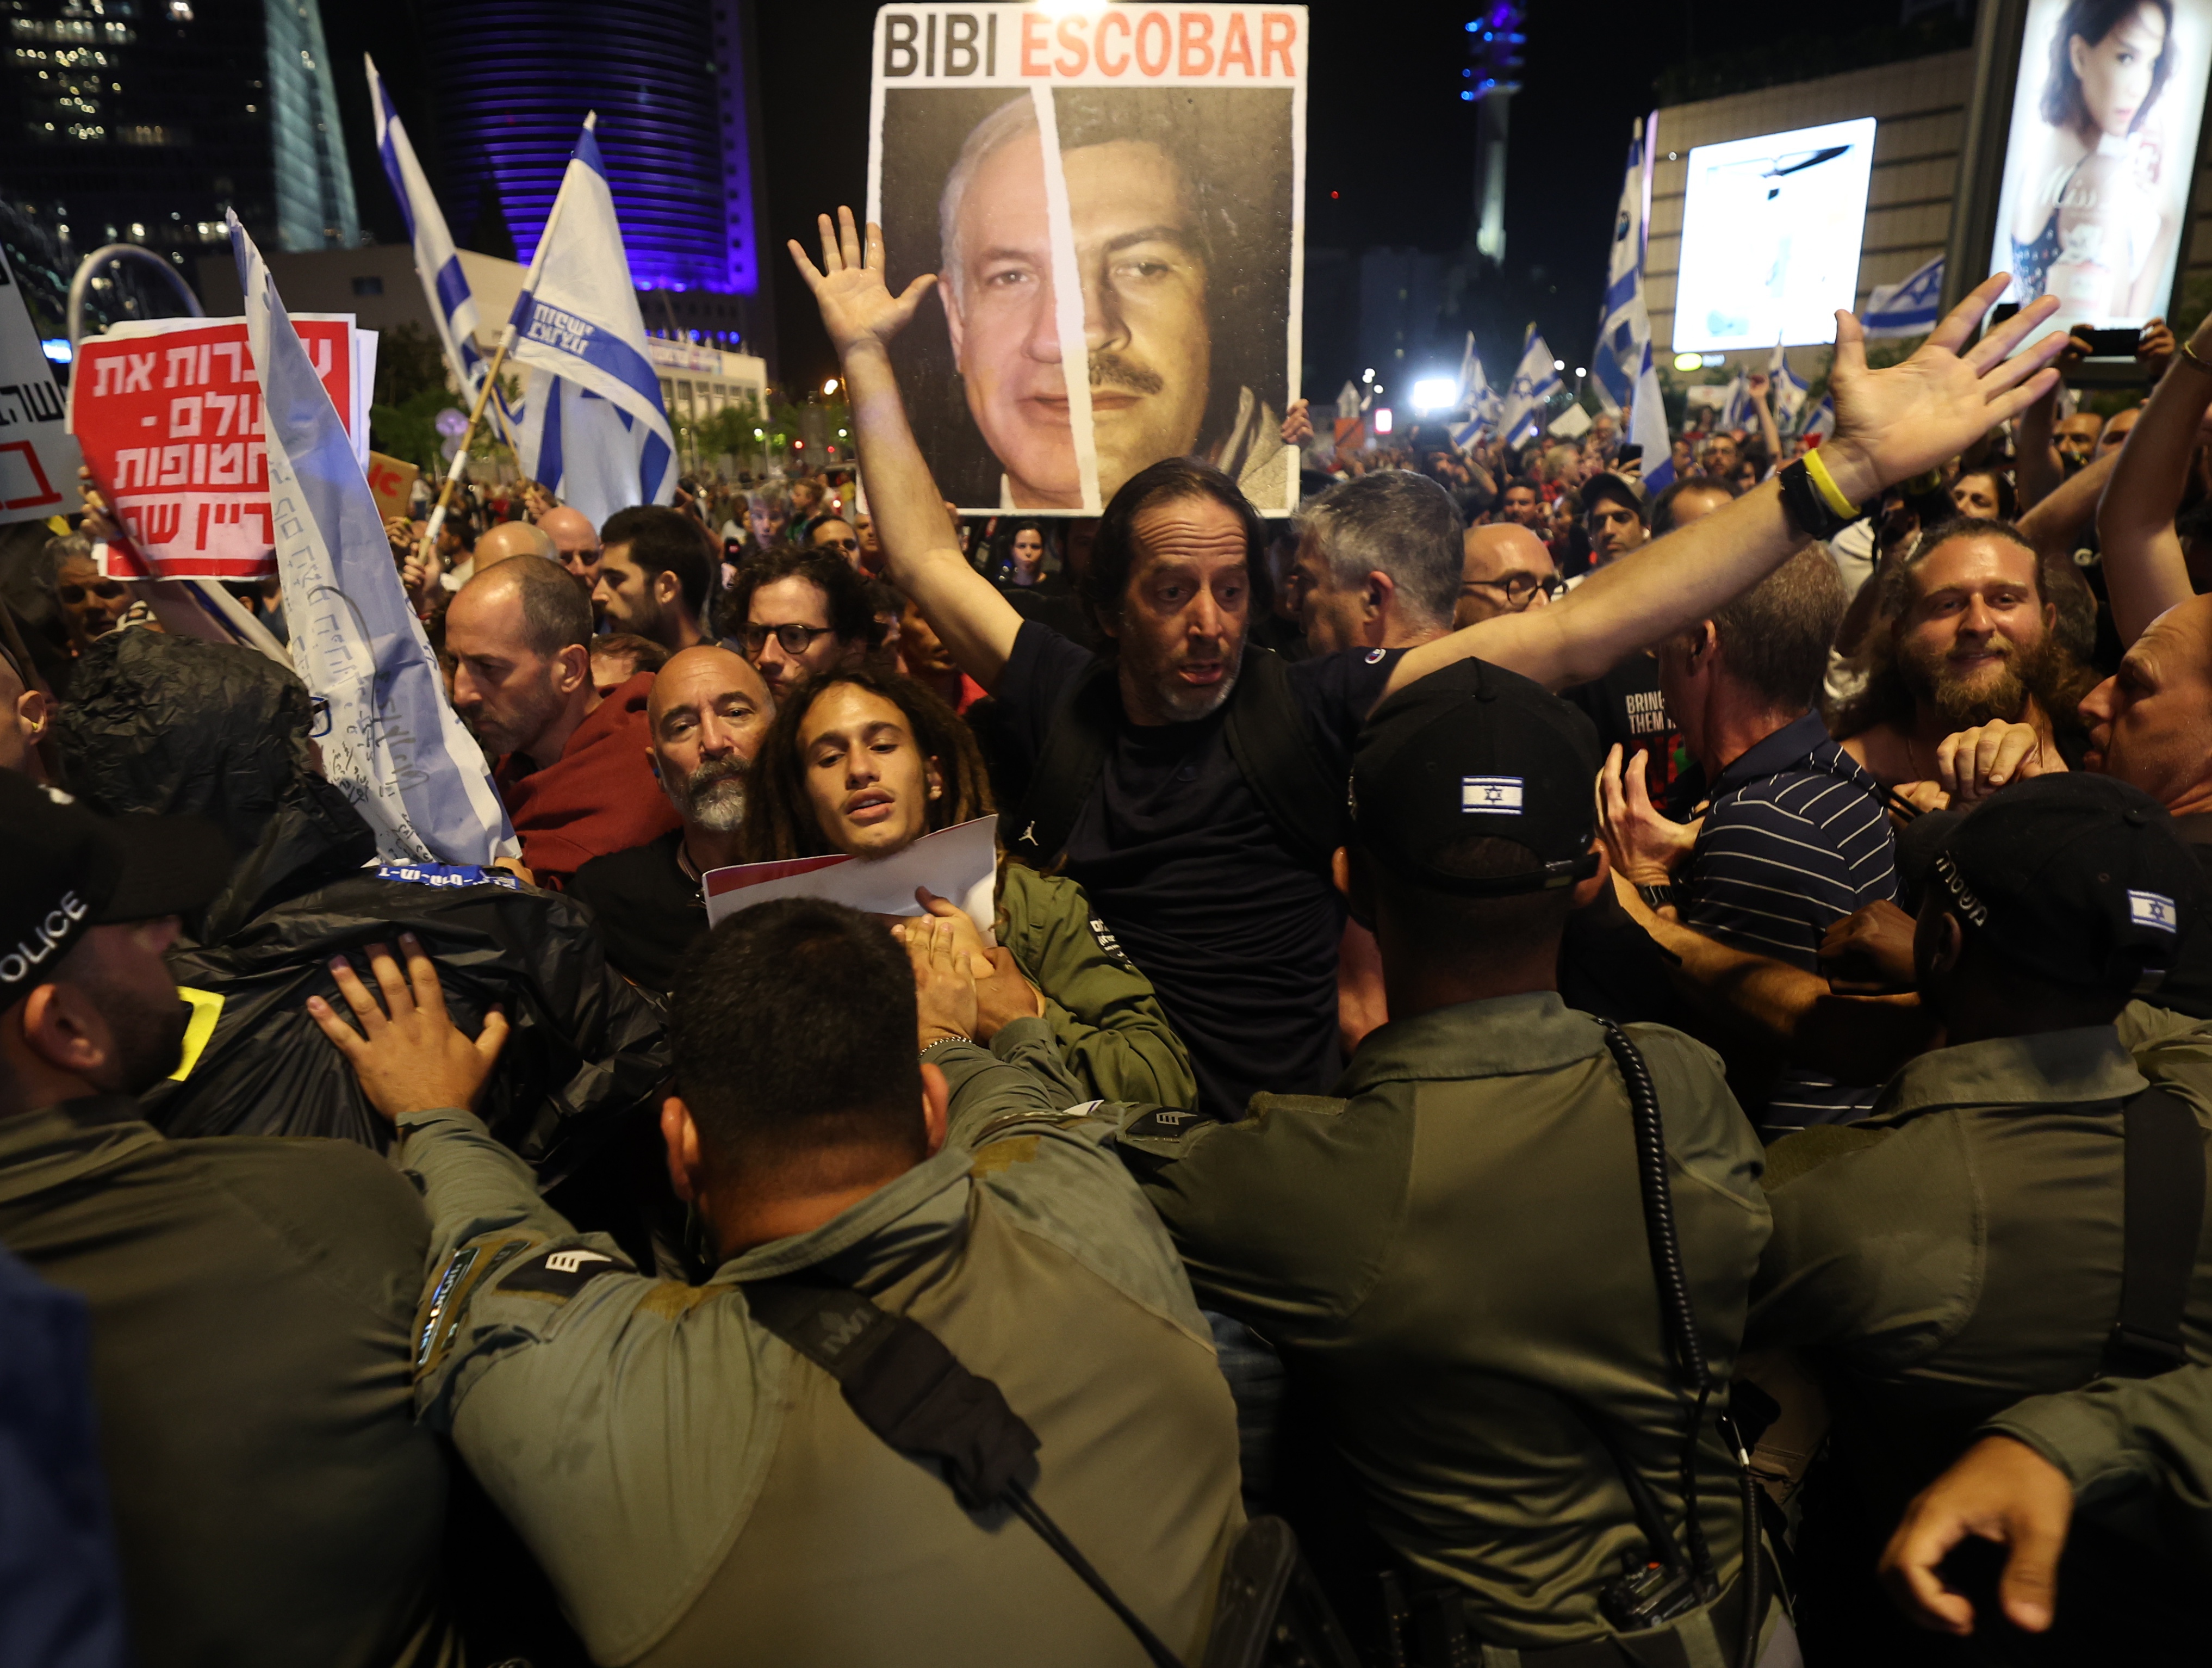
x=168 y=414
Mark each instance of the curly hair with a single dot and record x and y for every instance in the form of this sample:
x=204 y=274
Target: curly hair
x=779 y=820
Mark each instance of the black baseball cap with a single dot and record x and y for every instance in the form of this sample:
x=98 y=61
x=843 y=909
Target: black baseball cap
x=1477 y=750
x=1619 y=488
x=2081 y=879
x=69 y=871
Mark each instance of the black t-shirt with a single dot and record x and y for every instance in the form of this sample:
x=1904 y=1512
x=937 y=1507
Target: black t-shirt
x=1626 y=707
x=647 y=912
x=2187 y=987
x=1179 y=859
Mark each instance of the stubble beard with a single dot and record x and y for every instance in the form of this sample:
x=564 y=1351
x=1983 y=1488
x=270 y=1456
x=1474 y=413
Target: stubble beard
x=712 y=796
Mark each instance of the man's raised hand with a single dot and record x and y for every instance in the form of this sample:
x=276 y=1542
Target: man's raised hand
x=857 y=310
x=1894 y=423
x=409 y=1056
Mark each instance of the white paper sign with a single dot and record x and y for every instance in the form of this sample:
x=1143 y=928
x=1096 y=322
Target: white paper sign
x=38 y=459
x=959 y=863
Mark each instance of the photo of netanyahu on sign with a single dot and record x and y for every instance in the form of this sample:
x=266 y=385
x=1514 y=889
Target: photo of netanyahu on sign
x=1180 y=204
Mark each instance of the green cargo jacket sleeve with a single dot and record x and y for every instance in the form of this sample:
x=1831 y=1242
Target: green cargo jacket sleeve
x=2131 y=1447
x=1113 y=1033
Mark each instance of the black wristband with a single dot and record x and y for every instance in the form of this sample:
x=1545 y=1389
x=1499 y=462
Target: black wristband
x=1807 y=510
x=1657 y=897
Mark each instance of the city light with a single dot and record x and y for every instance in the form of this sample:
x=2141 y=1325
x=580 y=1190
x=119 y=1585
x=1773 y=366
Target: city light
x=1558 y=364
x=830 y=387
x=1434 y=393
x=1688 y=361
x=57 y=348
x=1381 y=419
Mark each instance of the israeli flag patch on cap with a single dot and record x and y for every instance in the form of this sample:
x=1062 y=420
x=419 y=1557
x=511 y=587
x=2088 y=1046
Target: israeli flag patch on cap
x=1495 y=796
x=2151 y=909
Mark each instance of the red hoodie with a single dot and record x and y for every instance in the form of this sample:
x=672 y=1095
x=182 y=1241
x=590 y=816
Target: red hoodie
x=598 y=796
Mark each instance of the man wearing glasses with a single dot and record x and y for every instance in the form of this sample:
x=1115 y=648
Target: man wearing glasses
x=805 y=612
x=1505 y=569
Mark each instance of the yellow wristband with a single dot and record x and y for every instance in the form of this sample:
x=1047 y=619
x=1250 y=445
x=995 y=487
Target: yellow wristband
x=1831 y=494
x=2189 y=354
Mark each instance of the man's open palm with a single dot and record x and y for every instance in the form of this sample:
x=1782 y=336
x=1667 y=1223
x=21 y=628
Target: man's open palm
x=857 y=308
x=1905 y=419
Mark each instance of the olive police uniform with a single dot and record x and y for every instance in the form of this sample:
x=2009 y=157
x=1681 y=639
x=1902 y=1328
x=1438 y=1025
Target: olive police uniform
x=1113 y=1033
x=1964 y=1247
x=1450 y=1253
x=699 y=1493
x=2138 y=1450
x=274 y=1502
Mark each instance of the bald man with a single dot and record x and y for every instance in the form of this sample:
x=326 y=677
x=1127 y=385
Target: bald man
x=1506 y=569
x=569 y=769
x=576 y=542
x=507 y=540
x=707 y=713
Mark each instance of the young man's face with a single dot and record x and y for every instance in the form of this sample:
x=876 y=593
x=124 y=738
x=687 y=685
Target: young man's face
x=1523 y=506
x=797 y=602
x=1143 y=315
x=1963 y=643
x=93 y=604
x=2077 y=439
x=1614 y=528
x=625 y=596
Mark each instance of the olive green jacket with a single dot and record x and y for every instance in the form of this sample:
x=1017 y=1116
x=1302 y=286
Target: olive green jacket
x=1961 y=1249
x=701 y=1494
x=275 y=1503
x=1451 y=1254
x=2138 y=1450
x=1113 y=1033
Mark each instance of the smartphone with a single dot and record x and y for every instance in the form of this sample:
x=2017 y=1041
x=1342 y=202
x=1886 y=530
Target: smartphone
x=1629 y=454
x=2119 y=344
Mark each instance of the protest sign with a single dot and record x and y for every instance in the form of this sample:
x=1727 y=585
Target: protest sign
x=393 y=484
x=960 y=863
x=168 y=413
x=1101 y=185
x=38 y=459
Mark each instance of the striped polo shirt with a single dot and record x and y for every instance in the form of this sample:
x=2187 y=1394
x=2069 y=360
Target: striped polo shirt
x=1796 y=837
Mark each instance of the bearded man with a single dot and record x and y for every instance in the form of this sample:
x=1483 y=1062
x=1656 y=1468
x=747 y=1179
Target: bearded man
x=1966 y=636
x=706 y=716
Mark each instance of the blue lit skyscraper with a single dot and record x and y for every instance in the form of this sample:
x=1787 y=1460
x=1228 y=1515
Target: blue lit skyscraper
x=513 y=80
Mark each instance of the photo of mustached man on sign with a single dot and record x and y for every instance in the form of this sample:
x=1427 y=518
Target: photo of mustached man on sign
x=1116 y=189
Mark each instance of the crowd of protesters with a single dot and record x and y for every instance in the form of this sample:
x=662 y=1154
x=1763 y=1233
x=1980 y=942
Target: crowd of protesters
x=1556 y=1072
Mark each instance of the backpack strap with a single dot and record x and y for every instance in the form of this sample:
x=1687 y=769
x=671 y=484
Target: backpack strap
x=2163 y=1188
x=1267 y=734
x=1075 y=743
x=906 y=1386
x=1273 y=744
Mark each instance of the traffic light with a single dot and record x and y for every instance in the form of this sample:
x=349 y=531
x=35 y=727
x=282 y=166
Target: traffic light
x=1494 y=42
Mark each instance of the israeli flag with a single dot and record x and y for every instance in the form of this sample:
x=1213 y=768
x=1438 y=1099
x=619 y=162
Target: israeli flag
x=1493 y=796
x=1534 y=384
x=1822 y=423
x=1647 y=428
x=1907 y=307
x=2153 y=908
x=453 y=308
x=593 y=427
x=1784 y=392
x=395 y=748
x=1737 y=412
x=1624 y=326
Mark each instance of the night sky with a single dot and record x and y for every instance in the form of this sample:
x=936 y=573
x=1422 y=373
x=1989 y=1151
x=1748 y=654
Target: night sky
x=1386 y=131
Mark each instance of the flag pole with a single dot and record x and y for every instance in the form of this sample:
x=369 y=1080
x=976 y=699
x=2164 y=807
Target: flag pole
x=491 y=374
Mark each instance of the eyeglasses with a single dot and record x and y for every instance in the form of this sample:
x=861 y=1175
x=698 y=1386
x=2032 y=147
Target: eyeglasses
x=1519 y=588
x=318 y=717
x=849 y=545
x=790 y=639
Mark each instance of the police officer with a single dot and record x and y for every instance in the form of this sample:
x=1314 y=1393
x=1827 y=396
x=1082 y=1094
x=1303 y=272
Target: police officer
x=699 y=1490
x=2003 y=1223
x=1451 y=1253
x=2142 y=1447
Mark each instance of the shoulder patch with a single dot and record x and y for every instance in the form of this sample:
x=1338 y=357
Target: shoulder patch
x=1003 y=1155
x=1109 y=944
x=1163 y=1123
x=438 y=1320
x=560 y=1275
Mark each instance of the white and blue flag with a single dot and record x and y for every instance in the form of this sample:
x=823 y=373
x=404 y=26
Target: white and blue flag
x=593 y=427
x=1647 y=428
x=1784 y=392
x=395 y=748
x=1476 y=394
x=1822 y=423
x=1624 y=326
x=1907 y=307
x=453 y=308
x=1737 y=411
x=1533 y=383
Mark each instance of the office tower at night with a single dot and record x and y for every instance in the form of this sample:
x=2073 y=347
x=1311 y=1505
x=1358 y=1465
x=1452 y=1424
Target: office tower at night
x=140 y=121
x=513 y=80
